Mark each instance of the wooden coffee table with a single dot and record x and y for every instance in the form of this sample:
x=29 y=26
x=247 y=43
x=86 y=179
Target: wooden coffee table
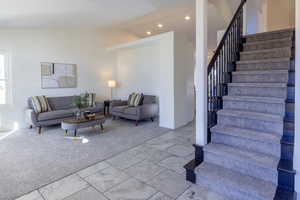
x=73 y=124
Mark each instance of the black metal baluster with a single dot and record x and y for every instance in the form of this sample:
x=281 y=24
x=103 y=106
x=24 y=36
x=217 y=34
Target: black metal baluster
x=221 y=65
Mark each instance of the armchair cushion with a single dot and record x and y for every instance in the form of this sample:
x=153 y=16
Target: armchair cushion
x=131 y=110
x=119 y=109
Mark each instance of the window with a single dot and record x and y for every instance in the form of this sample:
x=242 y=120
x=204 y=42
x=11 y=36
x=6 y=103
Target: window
x=3 y=78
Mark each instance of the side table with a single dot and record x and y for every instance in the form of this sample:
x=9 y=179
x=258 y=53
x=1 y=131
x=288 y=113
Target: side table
x=106 y=107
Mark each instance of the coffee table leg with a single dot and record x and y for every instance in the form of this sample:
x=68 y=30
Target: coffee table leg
x=102 y=128
x=66 y=133
x=75 y=133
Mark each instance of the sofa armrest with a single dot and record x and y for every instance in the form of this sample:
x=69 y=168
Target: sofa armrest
x=148 y=111
x=115 y=103
x=31 y=117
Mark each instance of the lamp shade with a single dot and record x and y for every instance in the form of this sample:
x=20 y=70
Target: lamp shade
x=112 y=83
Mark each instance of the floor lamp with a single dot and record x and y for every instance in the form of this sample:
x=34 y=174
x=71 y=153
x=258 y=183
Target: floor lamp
x=111 y=84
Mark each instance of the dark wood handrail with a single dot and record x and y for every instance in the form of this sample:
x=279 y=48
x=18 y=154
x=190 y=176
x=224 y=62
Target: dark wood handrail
x=221 y=44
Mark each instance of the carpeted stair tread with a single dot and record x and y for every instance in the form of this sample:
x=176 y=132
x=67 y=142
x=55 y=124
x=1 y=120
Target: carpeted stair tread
x=264 y=36
x=268 y=44
x=255 y=99
x=261 y=72
x=223 y=180
x=225 y=151
x=288 y=39
x=273 y=60
x=248 y=134
x=261 y=51
x=267 y=85
x=251 y=115
x=251 y=147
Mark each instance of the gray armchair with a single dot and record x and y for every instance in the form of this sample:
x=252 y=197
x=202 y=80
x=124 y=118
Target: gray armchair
x=148 y=109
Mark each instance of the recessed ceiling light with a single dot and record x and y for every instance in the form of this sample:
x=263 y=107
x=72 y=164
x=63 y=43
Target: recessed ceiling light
x=149 y=33
x=160 y=25
x=187 y=18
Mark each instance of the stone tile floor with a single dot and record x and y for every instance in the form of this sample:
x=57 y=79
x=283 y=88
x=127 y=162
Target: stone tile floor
x=150 y=171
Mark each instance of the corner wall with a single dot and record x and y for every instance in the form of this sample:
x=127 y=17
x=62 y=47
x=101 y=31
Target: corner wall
x=184 y=55
x=161 y=65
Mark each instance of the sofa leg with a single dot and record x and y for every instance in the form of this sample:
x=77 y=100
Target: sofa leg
x=152 y=119
x=30 y=127
x=39 y=130
x=113 y=117
x=136 y=122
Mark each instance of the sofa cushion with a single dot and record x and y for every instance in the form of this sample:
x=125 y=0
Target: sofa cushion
x=57 y=114
x=61 y=103
x=131 y=111
x=119 y=109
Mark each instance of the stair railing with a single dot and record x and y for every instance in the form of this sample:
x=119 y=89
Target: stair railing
x=222 y=64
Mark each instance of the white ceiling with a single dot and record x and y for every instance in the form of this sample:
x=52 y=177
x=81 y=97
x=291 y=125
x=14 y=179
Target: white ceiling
x=135 y=16
x=75 y=13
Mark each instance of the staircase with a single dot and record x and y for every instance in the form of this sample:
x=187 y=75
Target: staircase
x=250 y=156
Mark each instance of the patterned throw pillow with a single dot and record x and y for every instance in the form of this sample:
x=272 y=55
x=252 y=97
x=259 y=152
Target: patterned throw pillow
x=131 y=99
x=135 y=99
x=40 y=104
x=138 y=99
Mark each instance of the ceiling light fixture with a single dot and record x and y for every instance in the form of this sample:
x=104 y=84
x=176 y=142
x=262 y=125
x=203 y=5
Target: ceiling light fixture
x=149 y=33
x=160 y=25
x=187 y=18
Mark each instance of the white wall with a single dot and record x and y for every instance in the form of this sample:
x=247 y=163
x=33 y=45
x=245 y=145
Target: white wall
x=256 y=16
x=135 y=68
x=28 y=48
x=280 y=14
x=161 y=65
x=184 y=55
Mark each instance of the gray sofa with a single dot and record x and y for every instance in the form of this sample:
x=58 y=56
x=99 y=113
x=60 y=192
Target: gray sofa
x=147 y=110
x=61 y=109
